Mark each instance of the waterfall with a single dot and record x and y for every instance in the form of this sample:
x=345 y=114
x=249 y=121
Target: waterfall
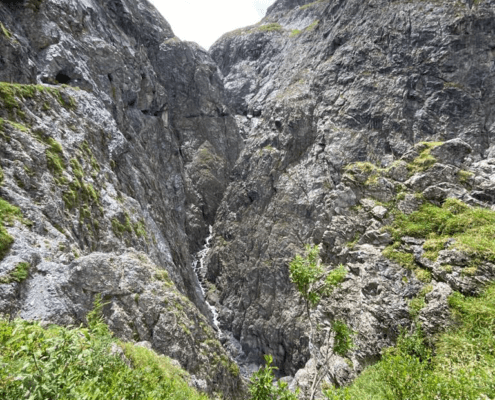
x=230 y=343
x=199 y=269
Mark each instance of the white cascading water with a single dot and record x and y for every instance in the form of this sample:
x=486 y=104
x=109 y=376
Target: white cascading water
x=198 y=266
x=230 y=343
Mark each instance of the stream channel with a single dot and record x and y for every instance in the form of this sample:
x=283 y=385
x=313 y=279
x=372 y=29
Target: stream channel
x=229 y=342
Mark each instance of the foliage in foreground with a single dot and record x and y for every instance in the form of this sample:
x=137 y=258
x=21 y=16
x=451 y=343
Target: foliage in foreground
x=462 y=366
x=61 y=363
x=262 y=387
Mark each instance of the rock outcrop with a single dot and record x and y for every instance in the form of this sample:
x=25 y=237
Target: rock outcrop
x=334 y=99
x=326 y=123
x=117 y=144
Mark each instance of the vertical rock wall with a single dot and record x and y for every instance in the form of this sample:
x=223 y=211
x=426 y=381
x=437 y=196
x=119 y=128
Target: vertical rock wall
x=318 y=87
x=118 y=148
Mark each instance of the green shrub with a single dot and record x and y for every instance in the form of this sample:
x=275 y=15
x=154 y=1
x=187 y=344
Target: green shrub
x=306 y=273
x=334 y=278
x=77 y=363
x=262 y=387
x=343 y=340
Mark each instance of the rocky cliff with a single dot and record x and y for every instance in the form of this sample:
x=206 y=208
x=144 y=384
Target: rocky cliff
x=339 y=123
x=354 y=113
x=116 y=146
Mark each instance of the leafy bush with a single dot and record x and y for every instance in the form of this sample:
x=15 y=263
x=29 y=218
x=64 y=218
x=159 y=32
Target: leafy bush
x=78 y=363
x=262 y=387
x=343 y=341
x=306 y=273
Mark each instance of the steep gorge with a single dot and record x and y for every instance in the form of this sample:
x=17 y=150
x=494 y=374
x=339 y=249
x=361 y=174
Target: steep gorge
x=310 y=127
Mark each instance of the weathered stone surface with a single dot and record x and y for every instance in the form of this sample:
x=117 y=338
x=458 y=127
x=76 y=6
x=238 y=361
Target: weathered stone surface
x=333 y=102
x=146 y=149
x=452 y=152
x=335 y=83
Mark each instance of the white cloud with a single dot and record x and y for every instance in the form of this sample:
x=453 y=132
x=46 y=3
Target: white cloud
x=204 y=21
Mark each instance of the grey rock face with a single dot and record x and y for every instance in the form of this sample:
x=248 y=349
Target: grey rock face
x=337 y=83
x=145 y=149
x=333 y=99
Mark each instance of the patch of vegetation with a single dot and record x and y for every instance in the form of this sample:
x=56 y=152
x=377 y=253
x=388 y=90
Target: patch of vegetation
x=295 y=32
x=139 y=229
x=11 y=93
x=447 y=85
x=312 y=26
x=462 y=365
x=369 y=171
x=434 y=245
x=5 y=31
x=88 y=155
x=262 y=387
x=163 y=276
x=120 y=228
x=464 y=177
x=8 y=213
x=354 y=241
x=472 y=228
x=312 y=4
x=334 y=278
x=307 y=274
x=405 y=259
x=343 y=340
x=425 y=160
x=54 y=156
x=80 y=193
x=78 y=363
x=76 y=168
x=418 y=303
x=18 y=126
x=273 y=27
x=18 y=274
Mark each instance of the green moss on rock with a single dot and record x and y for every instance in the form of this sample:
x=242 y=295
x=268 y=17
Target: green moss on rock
x=8 y=213
x=18 y=274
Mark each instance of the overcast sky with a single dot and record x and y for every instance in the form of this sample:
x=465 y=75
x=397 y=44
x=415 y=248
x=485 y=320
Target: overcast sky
x=204 y=21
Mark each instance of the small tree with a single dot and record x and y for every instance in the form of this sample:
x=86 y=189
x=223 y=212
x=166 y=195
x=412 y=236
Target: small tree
x=262 y=387
x=306 y=273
